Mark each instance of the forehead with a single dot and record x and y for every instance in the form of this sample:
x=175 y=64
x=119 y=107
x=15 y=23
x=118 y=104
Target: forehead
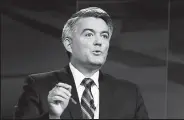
x=97 y=24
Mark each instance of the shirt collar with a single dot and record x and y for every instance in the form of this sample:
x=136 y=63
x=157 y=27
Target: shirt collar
x=78 y=76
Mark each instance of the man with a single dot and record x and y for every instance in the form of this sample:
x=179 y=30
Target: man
x=81 y=90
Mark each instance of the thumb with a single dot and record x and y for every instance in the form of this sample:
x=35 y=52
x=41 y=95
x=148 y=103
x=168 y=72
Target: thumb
x=70 y=88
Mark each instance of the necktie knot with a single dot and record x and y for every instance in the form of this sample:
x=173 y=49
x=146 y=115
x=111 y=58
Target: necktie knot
x=87 y=82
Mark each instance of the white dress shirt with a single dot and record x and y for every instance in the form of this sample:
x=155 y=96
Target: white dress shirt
x=78 y=78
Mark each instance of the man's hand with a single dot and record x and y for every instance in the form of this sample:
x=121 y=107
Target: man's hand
x=58 y=99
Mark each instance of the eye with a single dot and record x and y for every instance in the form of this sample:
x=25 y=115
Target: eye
x=88 y=34
x=106 y=36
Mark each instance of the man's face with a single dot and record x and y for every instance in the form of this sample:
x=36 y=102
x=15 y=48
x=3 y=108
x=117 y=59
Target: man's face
x=90 y=42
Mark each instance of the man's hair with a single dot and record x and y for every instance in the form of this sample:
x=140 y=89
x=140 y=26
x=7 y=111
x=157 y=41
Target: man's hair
x=83 y=13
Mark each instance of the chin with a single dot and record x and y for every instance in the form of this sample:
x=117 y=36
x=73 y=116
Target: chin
x=97 y=63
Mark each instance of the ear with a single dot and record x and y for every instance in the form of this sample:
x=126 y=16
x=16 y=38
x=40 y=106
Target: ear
x=67 y=44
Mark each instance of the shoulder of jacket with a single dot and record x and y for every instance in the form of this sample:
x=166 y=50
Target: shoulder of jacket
x=119 y=82
x=39 y=77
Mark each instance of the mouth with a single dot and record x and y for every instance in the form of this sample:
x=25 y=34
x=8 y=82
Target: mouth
x=97 y=52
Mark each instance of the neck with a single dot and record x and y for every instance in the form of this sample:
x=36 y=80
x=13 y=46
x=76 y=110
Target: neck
x=86 y=70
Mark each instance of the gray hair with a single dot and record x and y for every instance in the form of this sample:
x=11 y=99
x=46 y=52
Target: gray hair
x=87 y=12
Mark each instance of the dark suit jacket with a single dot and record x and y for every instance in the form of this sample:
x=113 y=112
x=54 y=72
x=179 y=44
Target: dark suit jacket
x=118 y=98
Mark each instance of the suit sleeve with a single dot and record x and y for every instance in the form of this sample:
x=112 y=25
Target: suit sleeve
x=29 y=106
x=141 y=111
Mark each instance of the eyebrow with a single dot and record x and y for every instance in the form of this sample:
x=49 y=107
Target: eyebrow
x=94 y=31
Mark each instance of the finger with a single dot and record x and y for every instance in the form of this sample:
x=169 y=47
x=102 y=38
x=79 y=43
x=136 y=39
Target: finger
x=66 y=91
x=64 y=85
x=56 y=99
x=53 y=94
x=60 y=92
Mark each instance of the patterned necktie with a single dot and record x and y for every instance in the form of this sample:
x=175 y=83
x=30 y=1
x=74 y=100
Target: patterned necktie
x=87 y=101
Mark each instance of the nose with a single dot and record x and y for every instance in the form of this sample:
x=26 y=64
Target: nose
x=98 y=40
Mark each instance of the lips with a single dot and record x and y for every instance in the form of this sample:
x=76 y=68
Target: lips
x=97 y=52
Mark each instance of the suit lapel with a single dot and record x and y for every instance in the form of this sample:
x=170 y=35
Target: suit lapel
x=105 y=97
x=67 y=77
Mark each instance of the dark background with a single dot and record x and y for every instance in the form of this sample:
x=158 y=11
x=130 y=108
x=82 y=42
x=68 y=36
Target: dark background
x=147 y=47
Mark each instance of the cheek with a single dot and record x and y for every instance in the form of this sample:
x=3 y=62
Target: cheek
x=106 y=46
x=86 y=45
x=83 y=48
x=78 y=46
